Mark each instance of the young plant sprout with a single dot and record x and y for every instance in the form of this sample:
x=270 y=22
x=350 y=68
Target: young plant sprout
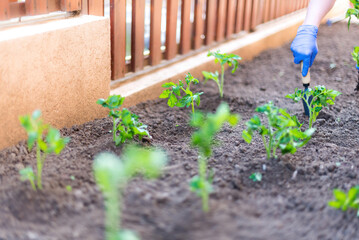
x=256 y=177
x=173 y=93
x=282 y=131
x=321 y=97
x=355 y=55
x=222 y=59
x=203 y=139
x=47 y=139
x=352 y=11
x=112 y=175
x=125 y=124
x=344 y=201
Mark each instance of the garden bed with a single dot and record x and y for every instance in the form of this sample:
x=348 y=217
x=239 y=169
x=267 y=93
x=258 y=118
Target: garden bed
x=289 y=203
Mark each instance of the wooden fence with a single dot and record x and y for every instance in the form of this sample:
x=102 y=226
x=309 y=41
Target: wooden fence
x=189 y=24
x=202 y=22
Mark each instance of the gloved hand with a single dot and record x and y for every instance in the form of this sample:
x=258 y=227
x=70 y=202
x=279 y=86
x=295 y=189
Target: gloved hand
x=304 y=46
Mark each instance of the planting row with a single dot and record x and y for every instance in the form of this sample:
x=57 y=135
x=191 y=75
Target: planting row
x=279 y=131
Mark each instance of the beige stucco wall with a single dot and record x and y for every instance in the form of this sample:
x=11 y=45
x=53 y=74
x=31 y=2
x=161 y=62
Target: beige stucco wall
x=61 y=67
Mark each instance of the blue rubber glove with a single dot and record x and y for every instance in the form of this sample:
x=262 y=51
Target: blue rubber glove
x=304 y=47
x=357 y=67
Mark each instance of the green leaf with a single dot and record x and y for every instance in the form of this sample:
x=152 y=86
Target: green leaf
x=247 y=136
x=256 y=177
x=109 y=172
x=339 y=195
x=148 y=162
x=170 y=84
x=172 y=100
x=165 y=94
x=335 y=204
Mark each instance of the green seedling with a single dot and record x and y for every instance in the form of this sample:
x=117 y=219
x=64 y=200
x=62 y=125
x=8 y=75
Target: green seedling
x=322 y=97
x=112 y=175
x=355 y=55
x=175 y=98
x=352 y=11
x=222 y=59
x=47 y=139
x=125 y=124
x=203 y=139
x=345 y=201
x=256 y=177
x=282 y=130
x=68 y=188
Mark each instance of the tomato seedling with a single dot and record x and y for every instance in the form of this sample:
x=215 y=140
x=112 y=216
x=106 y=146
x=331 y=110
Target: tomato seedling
x=345 y=201
x=282 y=130
x=203 y=139
x=112 y=175
x=173 y=93
x=222 y=59
x=352 y=11
x=125 y=124
x=47 y=139
x=321 y=97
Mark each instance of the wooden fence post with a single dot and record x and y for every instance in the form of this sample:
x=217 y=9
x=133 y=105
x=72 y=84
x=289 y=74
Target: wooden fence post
x=198 y=24
x=4 y=10
x=96 y=7
x=171 y=29
x=210 y=27
x=71 y=5
x=186 y=30
x=118 y=38
x=155 y=32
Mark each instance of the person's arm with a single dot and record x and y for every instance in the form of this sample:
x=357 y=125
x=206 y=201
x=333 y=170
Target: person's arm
x=317 y=9
x=304 y=46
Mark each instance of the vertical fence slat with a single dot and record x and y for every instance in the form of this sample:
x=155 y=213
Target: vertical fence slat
x=247 y=15
x=254 y=18
x=186 y=30
x=282 y=8
x=239 y=16
x=96 y=7
x=155 y=32
x=260 y=12
x=30 y=7
x=277 y=9
x=266 y=10
x=84 y=7
x=41 y=6
x=272 y=9
x=171 y=27
x=118 y=38
x=70 y=5
x=4 y=10
x=231 y=14
x=221 y=20
x=34 y=7
x=137 y=36
x=198 y=24
x=303 y=4
x=210 y=21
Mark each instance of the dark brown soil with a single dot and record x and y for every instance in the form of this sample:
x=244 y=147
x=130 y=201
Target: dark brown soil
x=289 y=203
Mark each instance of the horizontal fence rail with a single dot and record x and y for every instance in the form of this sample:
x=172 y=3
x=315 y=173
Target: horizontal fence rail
x=178 y=26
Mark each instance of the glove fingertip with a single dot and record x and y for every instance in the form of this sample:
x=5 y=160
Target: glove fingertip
x=305 y=71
